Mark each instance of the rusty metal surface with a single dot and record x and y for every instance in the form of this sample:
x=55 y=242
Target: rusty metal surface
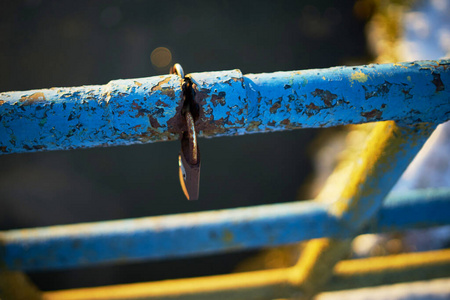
x=78 y=245
x=120 y=113
x=147 y=110
x=407 y=93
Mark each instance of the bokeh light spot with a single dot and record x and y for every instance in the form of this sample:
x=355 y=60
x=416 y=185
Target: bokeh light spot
x=161 y=57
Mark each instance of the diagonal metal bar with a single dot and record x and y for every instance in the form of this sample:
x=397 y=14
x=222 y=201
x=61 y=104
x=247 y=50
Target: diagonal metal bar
x=359 y=195
x=148 y=109
x=16 y=286
x=78 y=245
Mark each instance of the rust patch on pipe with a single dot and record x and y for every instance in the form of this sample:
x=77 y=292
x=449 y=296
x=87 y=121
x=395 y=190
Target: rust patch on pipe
x=135 y=128
x=211 y=126
x=438 y=82
x=312 y=106
x=176 y=124
x=285 y=122
x=160 y=103
x=382 y=90
x=200 y=95
x=275 y=107
x=38 y=97
x=135 y=106
x=326 y=96
x=218 y=99
x=167 y=91
x=253 y=125
x=153 y=121
x=140 y=111
x=208 y=125
x=35 y=147
x=407 y=94
x=372 y=115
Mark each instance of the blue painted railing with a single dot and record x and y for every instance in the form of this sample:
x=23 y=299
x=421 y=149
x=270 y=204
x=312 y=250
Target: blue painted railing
x=163 y=237
x=147 y=110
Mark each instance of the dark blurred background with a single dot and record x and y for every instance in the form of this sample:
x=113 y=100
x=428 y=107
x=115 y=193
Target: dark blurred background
x=69 y=43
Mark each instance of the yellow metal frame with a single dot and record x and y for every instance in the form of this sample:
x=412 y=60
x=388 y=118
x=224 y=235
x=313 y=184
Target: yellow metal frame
x=271 y=284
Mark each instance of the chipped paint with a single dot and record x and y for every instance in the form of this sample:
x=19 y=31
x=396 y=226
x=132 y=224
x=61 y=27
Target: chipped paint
x=438 y=82
x=372 y=115
x=228 y=103
x=269 y=101
x=121 y=112
x=37 y=97
x=359 y=76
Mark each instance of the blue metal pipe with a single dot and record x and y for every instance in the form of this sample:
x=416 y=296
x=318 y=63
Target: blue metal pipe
x=148 y=109
x=163 y=237
x=122 y=112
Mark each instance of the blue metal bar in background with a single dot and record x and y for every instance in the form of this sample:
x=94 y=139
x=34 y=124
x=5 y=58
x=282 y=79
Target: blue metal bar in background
x=163 y=237
x=148 y=109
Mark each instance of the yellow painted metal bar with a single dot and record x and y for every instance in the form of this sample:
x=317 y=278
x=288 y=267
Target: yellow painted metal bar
x=383 y=270
x=315 y=265
x=358 y=194
x=272 y=284
x=17 y=286
x=269 y=284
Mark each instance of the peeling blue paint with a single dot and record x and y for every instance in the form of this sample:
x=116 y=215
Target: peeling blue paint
x=119 y=113
x=402 y=92
x=146 y=110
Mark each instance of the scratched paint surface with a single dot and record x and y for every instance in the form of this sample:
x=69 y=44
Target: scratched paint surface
x=183 y=235
x=119 y=113
x=147 y=110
